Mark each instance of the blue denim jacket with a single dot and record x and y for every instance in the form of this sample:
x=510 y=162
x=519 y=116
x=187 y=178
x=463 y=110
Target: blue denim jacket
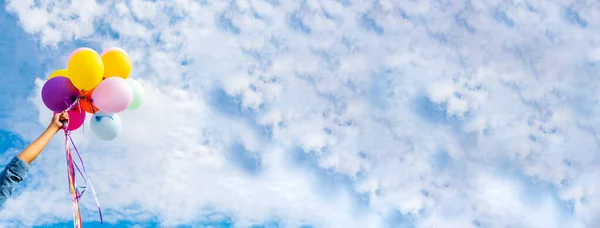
x=14 y=172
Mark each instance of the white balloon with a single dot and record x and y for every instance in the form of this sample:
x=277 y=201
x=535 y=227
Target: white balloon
x=106 y=126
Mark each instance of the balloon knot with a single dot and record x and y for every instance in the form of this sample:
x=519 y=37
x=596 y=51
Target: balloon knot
x=100 y=117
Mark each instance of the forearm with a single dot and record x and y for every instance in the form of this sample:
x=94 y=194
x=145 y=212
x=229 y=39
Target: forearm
x=35 y=148
x=16 y=170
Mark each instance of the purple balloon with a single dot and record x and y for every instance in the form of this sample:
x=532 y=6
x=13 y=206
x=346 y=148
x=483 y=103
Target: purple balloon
x=59 y=93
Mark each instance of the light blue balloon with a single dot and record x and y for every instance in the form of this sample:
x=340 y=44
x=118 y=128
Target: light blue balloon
x=106 y=126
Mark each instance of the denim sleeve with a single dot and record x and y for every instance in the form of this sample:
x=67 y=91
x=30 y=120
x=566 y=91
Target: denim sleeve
x=14 y=172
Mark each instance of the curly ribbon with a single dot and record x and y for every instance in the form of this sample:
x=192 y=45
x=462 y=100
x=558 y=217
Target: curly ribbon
x=86 y=179
x=72 y=189
x=71 y=167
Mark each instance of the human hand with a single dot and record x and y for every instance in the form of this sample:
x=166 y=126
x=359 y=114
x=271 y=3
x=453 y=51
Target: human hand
x=58 y=121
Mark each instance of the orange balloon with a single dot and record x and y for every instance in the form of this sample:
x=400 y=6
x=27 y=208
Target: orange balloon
x=87 y=104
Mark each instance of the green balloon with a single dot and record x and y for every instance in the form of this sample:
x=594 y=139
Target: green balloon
x=138 y=94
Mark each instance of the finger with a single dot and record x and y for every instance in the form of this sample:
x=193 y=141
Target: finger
x=64 y=116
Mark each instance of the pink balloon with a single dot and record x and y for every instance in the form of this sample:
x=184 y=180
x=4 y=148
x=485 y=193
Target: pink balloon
x=75 y=52
x=76 y=118
x=113 y=95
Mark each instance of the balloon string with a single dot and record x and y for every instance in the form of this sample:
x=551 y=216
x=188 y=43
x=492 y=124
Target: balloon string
x=71 y=166
x=81 y=113
x=70 y=106
x=84 y=175
x=71 y=177
x=80 y=173
x=91 y=104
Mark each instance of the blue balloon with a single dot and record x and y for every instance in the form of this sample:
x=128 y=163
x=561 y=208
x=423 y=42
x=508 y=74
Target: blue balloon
x=106 y=126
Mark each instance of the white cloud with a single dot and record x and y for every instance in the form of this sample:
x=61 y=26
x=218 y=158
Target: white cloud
x=59 y=20
x=412 y=102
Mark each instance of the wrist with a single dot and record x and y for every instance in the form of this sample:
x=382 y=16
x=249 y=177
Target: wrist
x=53 y=128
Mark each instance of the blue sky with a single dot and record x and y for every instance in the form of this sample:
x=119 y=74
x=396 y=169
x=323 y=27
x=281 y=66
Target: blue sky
x=321 y=113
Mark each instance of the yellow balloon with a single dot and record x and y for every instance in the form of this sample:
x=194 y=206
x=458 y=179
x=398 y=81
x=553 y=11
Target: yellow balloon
x=116 y=63
x=85 y=69
x=61 y=72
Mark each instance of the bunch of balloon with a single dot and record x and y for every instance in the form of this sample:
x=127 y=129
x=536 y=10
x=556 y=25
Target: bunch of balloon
x=96 y=84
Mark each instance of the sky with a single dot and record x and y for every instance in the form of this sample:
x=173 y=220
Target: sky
x=318 y=113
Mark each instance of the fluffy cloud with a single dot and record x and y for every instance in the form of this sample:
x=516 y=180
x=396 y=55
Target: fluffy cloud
x=337 y=114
